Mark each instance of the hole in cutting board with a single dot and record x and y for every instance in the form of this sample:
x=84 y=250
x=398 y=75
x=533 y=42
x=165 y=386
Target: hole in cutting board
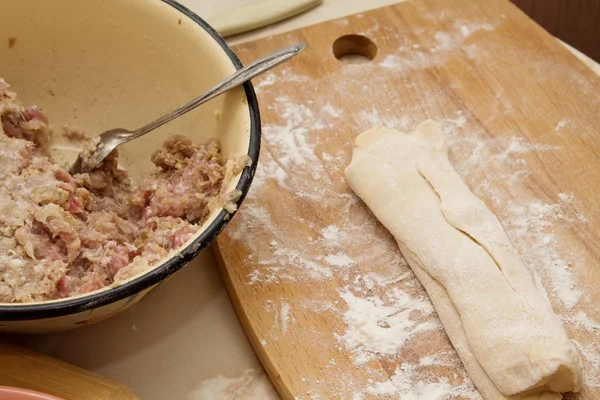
x=354 y=49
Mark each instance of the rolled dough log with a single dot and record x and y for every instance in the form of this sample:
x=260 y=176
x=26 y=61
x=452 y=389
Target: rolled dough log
x=510 y=341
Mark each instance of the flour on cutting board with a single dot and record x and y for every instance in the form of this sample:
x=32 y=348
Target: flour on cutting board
x=561 y=125
x=251 y=385
x=382 y=308
x=376 y=328
x=409 y=57
x=406 y=385
x=282 y=317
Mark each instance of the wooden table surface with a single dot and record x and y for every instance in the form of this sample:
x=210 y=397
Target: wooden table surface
x=204 y=351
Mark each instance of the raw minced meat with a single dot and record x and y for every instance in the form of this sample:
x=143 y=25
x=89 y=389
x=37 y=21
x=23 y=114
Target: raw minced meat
x=62 y=235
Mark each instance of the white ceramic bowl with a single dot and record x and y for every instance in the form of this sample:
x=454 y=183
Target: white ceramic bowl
x=100 y=64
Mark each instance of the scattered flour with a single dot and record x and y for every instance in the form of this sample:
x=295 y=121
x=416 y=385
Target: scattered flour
x=269 y=275
x=268 y=80
x=517 y=145
x=320 y=306
x=331 y=111
x=581 y=320
x=284 y=314
x=373 y=118
x=561 y=125
x=376 y=328
x=331 y=235
x=339 y=260
x=281 y=317
x=251 y=385
x=590 y=357
x=383 y=307
x=438 y=359
x=589 y=350
x=409 y=57
x=406 y=385
x=533 y=222
x=254 y=277
x=468 y=29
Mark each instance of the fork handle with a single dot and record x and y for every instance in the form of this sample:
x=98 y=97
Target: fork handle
x=240 y=76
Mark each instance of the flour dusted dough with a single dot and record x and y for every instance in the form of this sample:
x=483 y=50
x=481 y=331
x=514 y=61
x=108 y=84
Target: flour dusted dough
x=510 y=341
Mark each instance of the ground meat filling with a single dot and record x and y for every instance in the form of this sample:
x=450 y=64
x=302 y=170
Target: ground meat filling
x=190 y=176
x=62 y=235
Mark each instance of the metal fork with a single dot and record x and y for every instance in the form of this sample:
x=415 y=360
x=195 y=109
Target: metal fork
x=113 y=138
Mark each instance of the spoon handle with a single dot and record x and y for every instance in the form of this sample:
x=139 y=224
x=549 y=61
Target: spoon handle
x=240 y=76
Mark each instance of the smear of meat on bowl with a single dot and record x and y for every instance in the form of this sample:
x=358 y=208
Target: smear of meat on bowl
x=76 y=249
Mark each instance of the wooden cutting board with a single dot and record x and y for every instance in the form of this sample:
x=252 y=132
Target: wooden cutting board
x=26 y=369
x=329 y=304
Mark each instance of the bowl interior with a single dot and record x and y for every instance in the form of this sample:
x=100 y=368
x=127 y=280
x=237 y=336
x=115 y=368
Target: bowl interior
x=101 y=64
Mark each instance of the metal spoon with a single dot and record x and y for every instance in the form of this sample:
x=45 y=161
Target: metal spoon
x=110 y=139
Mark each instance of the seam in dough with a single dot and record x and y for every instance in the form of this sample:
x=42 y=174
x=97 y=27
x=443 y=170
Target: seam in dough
x=482 y=243
x=451 y=239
